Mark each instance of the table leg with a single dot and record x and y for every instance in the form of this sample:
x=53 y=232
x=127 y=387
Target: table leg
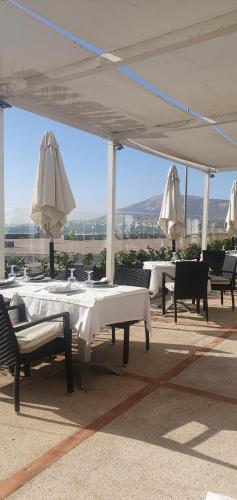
x=85 y=363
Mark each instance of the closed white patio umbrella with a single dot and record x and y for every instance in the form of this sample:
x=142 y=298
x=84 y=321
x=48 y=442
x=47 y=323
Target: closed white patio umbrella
x=231 y=218
x=52 y=198
x=172 y=214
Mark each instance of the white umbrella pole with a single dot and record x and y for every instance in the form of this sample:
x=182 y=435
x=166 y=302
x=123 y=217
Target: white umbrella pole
x=2 y=211
x=205 y=211
x=111 y=186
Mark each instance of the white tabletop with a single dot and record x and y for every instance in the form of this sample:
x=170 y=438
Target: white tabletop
x=157 y=268
x=89 y=309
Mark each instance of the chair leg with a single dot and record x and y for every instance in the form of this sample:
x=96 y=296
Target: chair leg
x=147 y=338
x=113 y=334
x=206 y=309
x=193 y=301
x=68 y=364
x=222 y=298
x=198 y=306
x=17 y=389
x=233 y=299
x=175 y=310
x=26 y=368
x=126 y=345
x=163 y=300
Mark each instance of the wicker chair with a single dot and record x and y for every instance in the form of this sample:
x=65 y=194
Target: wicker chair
x=226 y=281
x=21 y=345
x=190 y=282
x=215 y=259
x=130 y=277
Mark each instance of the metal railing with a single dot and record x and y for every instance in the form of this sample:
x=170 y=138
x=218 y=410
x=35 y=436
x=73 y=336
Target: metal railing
x=85 y=233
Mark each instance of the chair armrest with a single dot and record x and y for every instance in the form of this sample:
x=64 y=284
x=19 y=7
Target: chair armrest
x=21 y=309
x=64 y=315
x=164 y=274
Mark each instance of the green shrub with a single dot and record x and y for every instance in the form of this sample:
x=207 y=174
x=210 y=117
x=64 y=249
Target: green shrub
x=87 y=260
x=101 y=262
x=19 y=262
x=44 y=265
x=193 y=251
x=218 y=244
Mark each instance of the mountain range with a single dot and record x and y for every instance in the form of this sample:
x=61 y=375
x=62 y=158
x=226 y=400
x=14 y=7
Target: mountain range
x=217 y=208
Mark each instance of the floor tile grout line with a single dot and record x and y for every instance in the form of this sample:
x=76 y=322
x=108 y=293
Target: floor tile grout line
x=22 y=476
x=201 y=392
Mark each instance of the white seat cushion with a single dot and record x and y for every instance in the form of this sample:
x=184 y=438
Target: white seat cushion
x=219 y=280
x=35 y=336
x=170 y=286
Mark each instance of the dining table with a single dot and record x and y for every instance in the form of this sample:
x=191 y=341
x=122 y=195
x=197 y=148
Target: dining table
x=158 y=267
x=90 y=307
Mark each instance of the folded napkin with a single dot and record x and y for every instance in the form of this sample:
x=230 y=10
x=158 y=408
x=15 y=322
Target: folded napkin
x=8 y=281
x=38 y=277
x=59 y=288
x=103 y=281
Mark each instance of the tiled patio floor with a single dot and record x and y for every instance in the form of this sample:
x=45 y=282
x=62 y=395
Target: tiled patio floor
x=164 y=429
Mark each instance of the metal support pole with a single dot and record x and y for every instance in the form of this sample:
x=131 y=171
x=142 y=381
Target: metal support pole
x=185 y=200
x=111 y=186
x=205 y=210
x=2 y=208
x=51 y=258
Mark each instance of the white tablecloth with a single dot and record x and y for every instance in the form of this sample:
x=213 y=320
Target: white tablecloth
x=157 y=268
x=89 y=310
x=233 y=253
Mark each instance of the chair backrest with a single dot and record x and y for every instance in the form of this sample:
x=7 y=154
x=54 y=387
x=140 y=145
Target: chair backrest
x=215 y=259
x=132 y=277
x=9 y=349
x=191 y=280
x=229 y=266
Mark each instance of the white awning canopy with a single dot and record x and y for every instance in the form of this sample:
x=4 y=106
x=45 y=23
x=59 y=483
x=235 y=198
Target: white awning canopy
x=157 y=76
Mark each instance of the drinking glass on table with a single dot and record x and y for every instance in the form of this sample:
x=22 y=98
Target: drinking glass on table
x=72 y=279
x=12 y=274
x=89 y=281
x=25 y=275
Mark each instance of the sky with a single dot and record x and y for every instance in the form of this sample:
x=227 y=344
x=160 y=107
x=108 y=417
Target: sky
x=139 y=175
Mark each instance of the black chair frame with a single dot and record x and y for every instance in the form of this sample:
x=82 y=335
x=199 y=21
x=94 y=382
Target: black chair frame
x=186 y=288
x=229 y=275
x=11 y=356
x=130 y=277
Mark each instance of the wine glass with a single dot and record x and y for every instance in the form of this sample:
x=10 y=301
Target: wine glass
x=25 y=275
x=174 y=256
x=72 y=279
x=12 y=274
x=89 y=281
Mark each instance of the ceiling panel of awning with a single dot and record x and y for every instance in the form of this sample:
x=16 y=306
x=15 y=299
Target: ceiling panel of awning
x=29 y=48
x=203 y=147
x=112 y=24
x=202 y=76
x=183 y=51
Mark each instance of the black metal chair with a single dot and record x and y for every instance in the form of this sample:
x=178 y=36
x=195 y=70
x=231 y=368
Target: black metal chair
x=21 y=345
x=226 y=281
x=190 y=282
x=215 y=259
x=130 y=277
